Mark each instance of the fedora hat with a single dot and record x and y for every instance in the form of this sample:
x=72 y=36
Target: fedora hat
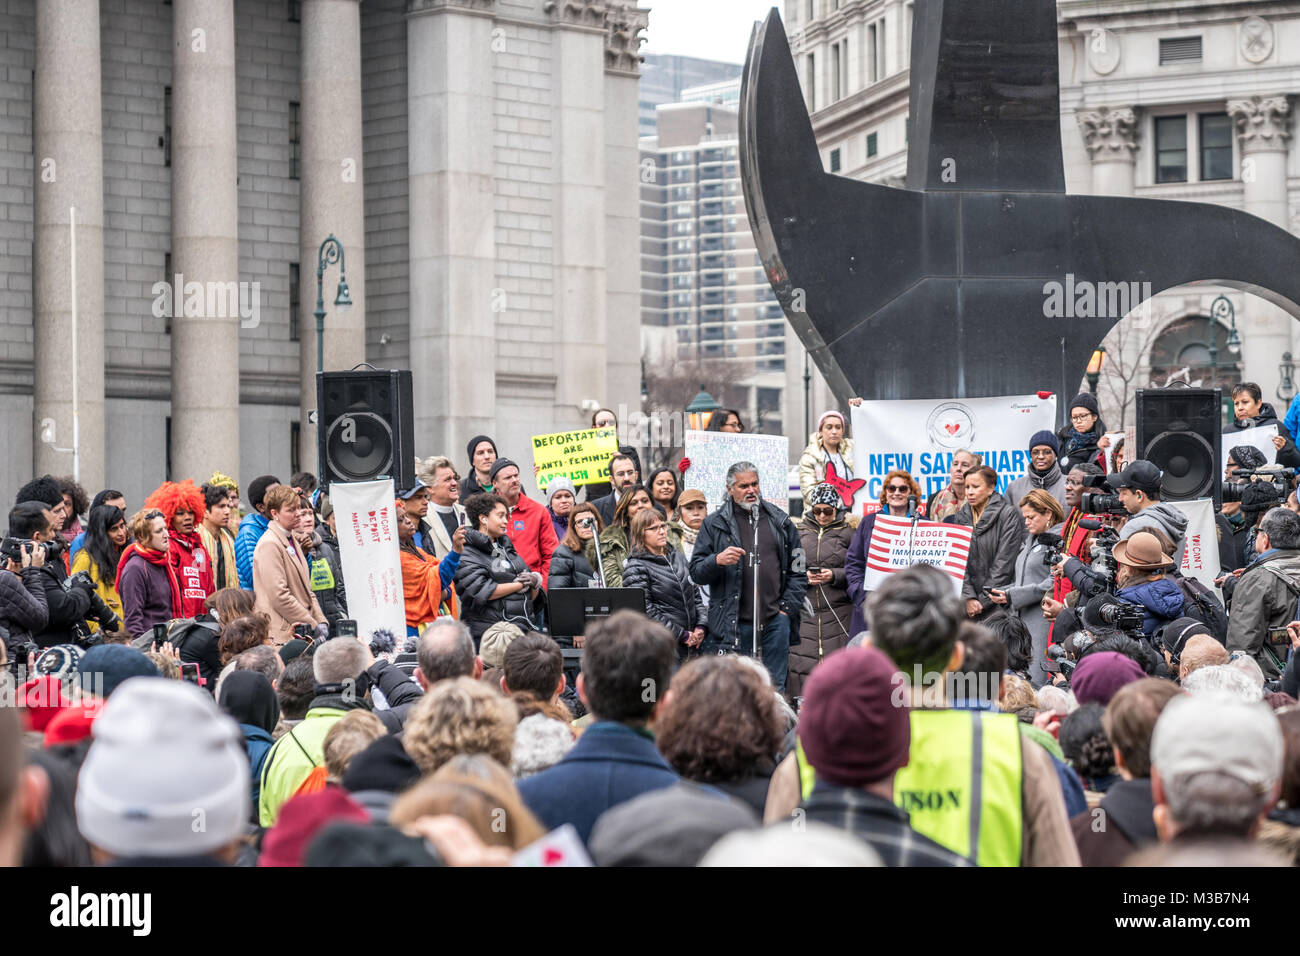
x=1142 y=551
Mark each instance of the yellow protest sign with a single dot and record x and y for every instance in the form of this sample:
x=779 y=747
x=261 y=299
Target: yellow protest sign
x=580 y=456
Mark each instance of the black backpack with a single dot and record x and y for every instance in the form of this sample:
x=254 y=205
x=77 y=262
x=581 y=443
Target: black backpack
x=1201 y=604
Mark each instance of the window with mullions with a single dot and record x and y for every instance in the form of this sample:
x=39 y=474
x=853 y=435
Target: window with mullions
x=1216 y=146
x=1171 y=149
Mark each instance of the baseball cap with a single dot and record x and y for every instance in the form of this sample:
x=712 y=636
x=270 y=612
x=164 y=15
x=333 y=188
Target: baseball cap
x=1140 y=476
x=1218 y=733
x=410 y=492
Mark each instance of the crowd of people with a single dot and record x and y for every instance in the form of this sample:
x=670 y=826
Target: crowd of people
x=187 y=655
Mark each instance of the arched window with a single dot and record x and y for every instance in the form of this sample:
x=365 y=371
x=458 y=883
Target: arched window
x=1185 y=344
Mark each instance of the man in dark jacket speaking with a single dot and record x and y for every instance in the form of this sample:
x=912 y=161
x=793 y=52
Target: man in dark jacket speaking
x=746 y=528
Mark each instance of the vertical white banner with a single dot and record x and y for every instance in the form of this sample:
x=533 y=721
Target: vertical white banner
x=1201 y=558
x=372 y=568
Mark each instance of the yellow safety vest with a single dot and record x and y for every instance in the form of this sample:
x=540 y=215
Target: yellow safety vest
x=961 y=786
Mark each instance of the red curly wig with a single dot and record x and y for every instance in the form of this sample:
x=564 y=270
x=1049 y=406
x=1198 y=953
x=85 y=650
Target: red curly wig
x=172 y=497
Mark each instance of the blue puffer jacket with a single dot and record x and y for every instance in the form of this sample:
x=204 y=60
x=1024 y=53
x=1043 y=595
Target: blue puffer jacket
x=1161 y=598
x=251 y=528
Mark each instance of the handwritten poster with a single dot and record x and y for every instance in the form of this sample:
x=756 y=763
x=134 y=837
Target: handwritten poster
x=580 y=456
x=712 y=453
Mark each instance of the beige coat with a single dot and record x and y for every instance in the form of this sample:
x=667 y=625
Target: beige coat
x=282 y=584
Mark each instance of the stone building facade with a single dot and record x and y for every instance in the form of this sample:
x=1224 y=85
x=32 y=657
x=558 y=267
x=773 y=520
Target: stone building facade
x=476 y=158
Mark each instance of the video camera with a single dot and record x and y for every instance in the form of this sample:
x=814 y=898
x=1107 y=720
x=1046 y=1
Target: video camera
x=1106 y=610
x=1055 y=547
x=13 y=548
x=1261 y=489
x=1100 y=502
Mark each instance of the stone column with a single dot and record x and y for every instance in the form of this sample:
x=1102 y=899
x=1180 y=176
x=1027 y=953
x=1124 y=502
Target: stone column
x=1110 y=136
x=1262 y=123
x=578 y=200
x=205 y=241
x=450 y=60
x=624 y=25
x=68 y=175
x=331 y=197
x=1262 y=128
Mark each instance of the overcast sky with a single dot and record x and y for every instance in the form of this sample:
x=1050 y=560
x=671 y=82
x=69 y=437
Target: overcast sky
x=712 y=29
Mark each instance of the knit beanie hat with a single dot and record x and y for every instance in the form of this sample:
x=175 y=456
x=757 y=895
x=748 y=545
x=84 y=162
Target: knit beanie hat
x=167 y=774
x=832 y=413
x=824 y=494
x=1100 y=675
x=559 y=483
x=103 y=668
x=1085 y=400
x=384 y=765
x=301 y=819
x=1045 y=438
x=474 y=443
x=851 y=729
x=498 y=465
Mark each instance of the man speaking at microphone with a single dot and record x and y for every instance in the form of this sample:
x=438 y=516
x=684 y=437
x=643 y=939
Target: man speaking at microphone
x=745 y=539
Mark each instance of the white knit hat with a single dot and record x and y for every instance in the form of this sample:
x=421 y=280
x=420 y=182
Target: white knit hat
x=167 y=774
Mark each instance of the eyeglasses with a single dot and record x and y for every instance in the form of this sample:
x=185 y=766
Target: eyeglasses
x=1081 y=418
x=899 y=489
x=823 y=510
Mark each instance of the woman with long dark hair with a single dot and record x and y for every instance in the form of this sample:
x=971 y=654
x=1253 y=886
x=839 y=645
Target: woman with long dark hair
x=105 y=540
x=665 y=488
x=615 y=541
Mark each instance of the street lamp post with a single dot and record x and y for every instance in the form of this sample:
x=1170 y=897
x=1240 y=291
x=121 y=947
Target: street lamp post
x=331 y=251
x=701 y=409
x=1094 y=368
x=1286 y=387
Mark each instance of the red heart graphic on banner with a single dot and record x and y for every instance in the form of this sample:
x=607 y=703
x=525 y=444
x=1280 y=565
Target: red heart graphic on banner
x=551 y=856
x=952 y=428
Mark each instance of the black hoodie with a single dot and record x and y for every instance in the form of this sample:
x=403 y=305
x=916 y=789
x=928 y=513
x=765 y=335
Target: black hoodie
x=1289 y=455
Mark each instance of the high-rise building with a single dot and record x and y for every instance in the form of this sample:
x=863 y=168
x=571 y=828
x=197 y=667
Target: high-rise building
x=665 y=76
x=705 y=295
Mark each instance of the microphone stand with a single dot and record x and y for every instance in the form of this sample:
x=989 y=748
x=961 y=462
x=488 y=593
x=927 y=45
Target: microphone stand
x=600 y=561
x=911 y=533
x=753 y=563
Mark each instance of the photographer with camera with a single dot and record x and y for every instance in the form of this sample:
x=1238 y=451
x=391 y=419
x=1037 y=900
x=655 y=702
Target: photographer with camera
x=1264 y=600
x=69 y=600
x=1138 y=489
x=23 y=610
x=1140 y=579
x=1251 y=488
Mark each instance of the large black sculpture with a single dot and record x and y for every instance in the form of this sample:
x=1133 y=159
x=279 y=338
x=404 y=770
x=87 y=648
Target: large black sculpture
x=937 y=290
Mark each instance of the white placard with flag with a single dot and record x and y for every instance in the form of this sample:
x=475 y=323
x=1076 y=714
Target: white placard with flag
x=898 y=543
x=1261 y=437
x=1201 y=556
x=712 y=453
x=372 y=568
x=921 y=436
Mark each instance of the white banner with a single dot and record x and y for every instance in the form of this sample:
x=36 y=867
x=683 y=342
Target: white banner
x=922 y=436
x=897 y=543
x=1260 y=437
x=712 y=453
x=372 y=569
x=1201 y=558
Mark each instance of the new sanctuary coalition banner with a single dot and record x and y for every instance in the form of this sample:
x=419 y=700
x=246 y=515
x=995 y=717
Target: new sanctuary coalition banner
x=372 y=568
x=921 y=436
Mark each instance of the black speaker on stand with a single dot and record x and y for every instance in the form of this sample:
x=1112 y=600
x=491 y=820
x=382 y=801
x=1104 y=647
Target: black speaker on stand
x=365 y=426
x=1180 y=431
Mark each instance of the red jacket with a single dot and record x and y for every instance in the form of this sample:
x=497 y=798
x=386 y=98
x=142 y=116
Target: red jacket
x=193 y=567
x=531 y=532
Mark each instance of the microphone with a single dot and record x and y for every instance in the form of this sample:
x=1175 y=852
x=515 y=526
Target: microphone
x=911 y=504
x=753 y=511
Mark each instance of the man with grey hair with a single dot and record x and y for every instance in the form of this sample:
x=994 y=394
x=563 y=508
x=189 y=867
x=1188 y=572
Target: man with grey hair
x=340 y=668
x=744 y=531
x=1224 y=679
x=1264 y=600
x=442 y=530
x=1216 y=767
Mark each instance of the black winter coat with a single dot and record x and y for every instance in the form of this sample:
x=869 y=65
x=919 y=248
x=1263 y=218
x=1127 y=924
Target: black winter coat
x=333 y=601
x=484 y=565
x=23 y=611
x=995 y=546
x=569 y=570
x=828 y=628
x=401 y=692
x=671 y=597
x=67 y=609
x=719 y=532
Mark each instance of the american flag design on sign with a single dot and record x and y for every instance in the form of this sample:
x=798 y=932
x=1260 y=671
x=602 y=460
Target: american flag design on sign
x=897 y=543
